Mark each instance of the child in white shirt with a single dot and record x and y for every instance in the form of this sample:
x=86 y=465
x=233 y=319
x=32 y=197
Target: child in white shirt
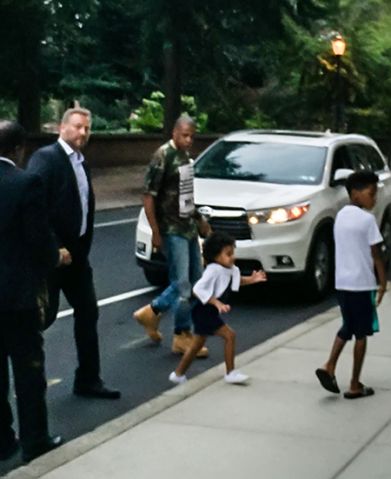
x=219 y=278
x=357 y=256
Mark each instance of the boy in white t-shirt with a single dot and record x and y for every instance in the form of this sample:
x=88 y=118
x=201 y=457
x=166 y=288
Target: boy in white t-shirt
x=357 y=256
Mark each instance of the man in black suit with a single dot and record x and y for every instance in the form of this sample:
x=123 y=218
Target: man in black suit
x=71 y=207
x=27 y=252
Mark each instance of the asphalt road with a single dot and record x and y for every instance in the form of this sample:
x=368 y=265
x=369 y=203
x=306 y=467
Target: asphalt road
x=129 y=361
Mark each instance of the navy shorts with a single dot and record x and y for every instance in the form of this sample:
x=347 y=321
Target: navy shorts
x=359 y=316
x=206 y=319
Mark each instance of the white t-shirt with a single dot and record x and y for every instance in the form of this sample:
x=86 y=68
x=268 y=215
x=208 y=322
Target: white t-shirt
x=215 y=280
x=355 y=231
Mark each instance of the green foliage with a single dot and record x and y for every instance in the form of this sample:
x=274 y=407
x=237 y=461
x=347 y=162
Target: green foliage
x=259 y=120
x=149 y=116
x=240 y=64
x=107 y=116
x=7 y=109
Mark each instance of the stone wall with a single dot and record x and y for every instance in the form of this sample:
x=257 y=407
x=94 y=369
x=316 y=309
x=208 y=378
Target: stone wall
x=123 y=150
x=119 y=150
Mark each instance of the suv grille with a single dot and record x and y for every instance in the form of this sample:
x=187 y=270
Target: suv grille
x=238 y=228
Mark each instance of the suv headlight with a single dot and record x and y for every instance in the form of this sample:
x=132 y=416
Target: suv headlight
x=279 y=215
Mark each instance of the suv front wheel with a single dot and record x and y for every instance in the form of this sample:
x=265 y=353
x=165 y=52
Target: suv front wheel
x=385 y=230
x=156 y=277
x=320 y=267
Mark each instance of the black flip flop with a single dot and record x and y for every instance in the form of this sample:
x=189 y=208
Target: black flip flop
x=365 y=392
x=327 y=381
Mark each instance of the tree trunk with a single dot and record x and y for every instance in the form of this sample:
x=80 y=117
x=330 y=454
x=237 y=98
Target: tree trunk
x=172 y=85
x=29 y=95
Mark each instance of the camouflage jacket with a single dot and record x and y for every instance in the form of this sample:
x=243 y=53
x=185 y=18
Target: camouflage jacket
x=169 y=179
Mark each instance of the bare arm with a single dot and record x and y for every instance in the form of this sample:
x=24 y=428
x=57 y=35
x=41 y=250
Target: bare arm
x=380 y=270
x=149 y=207
x=204 y=228
x=256 y=277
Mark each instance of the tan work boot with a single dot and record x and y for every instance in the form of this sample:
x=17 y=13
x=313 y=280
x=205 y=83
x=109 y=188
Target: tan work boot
x=181 y=342
x=150 y=320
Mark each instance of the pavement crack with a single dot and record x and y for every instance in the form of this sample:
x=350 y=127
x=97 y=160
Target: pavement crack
x=361 y=449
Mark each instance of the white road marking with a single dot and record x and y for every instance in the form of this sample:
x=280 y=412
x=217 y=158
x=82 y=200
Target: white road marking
x=54 y=381
x=135 y=342
x=113 y=299
x=116 y=222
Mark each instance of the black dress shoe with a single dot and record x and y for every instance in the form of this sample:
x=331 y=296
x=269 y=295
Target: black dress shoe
x=98 y=390
x=8 y=451
x=42 y=448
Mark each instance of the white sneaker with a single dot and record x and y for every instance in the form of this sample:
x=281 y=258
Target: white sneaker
x=177 y=379
x=236 y=377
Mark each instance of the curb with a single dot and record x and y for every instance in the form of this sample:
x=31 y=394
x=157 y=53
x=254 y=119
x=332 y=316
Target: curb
x=81 y=445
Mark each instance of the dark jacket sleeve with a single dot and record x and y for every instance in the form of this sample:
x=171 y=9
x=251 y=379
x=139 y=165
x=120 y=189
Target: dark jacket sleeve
x=39 y=237
x=41 y=163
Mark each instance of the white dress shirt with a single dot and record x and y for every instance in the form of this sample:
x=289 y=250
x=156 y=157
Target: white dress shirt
x=76 y=159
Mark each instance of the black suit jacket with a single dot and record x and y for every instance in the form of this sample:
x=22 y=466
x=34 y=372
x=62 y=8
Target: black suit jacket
x=63 y=199
x=28 y=249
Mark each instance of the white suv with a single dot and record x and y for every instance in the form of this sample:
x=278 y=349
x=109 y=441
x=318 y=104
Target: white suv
x=277 y=193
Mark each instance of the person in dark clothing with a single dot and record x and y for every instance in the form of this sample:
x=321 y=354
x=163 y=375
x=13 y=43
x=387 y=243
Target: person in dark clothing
x=71 y=206
x=27 y=252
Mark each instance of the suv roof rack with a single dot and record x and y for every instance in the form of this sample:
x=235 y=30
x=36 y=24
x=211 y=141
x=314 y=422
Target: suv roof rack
x=314 y=134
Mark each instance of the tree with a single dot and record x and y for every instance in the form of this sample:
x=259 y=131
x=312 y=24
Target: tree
x=23 y=28
x=258 y=64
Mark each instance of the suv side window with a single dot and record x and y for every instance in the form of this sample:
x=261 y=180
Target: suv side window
x=375 y=160
x=341 y=159
x=359 y=157
x=365 y=157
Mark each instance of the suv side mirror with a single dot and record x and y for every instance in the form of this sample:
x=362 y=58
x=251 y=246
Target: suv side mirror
x=340 y=176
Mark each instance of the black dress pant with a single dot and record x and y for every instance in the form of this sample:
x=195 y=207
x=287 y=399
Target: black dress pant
x=76 y=282
x=21 y=341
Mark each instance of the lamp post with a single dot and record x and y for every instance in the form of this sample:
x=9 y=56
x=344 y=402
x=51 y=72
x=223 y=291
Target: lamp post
x=338 y=45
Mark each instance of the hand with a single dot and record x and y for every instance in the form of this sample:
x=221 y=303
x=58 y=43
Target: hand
x=222 y=308
x=257 y=277
x=380 y=294
x=65 y=257
x=156 y=240
x=204 y=228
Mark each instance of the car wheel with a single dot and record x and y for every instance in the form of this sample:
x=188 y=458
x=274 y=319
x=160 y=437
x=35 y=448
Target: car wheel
x=156 y=277
x=386 y=233
x=320 y=267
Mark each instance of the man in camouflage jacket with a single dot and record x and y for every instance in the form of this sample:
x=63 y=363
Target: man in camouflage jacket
x=169 y=207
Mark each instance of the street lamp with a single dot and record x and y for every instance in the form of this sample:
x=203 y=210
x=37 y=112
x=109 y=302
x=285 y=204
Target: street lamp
x=339 y=45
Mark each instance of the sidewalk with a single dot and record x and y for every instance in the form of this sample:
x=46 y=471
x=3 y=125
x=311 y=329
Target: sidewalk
x=283 y=425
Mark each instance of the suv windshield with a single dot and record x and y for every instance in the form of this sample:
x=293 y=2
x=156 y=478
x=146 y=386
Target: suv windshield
x=265 y=162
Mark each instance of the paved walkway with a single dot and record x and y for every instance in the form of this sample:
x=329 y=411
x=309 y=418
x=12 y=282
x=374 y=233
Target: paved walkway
x=283 y=425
